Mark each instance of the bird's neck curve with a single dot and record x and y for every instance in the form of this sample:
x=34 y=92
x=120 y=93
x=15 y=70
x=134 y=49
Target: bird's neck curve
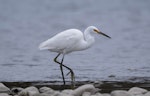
x=89 y=39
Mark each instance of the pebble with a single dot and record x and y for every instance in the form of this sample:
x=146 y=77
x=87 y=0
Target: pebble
x=86 y=94
x=84 y=90
x=46 y=90
x=29 y=91
x=4 y=94
x=106 y=94
x=99 y=94
x=147 y=94
x=120 y=93
x=4 y=89
x=67 y=91
x=137 y=91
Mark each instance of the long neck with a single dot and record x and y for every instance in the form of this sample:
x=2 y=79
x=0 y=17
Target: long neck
x=88 y=38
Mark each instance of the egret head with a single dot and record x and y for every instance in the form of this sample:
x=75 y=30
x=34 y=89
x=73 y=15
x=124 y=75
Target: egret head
x=99 y=32
x=94 y=29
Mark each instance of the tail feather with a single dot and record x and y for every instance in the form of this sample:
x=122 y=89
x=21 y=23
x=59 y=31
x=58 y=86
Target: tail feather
x=42 y=46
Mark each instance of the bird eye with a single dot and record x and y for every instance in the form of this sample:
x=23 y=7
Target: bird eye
x=95 y=30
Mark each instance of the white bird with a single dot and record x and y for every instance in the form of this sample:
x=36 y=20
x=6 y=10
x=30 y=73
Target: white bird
x=68 y=41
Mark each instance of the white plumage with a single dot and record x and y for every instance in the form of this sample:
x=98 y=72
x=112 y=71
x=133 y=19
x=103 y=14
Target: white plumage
x=64 y=42
x=68 y=41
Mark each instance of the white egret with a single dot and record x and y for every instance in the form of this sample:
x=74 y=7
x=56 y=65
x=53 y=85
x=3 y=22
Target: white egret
x=68 y=41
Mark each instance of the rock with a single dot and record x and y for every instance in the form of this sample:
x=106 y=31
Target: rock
x=137 y=91
x=24 y=93
x=98 y=94
x=106 y=94
x=93 y=95
x=138 y=95
x=147 y=94
x=46 y=90
x=29 y=91
x=62 y=94
x=4 y=89
x=42 y=94
x=120 y=93
x=16 y=90
x=86 y=94
x=57 y=93
x=4 y=94
x=84 y=88
x=14 y=95
x=67 y=91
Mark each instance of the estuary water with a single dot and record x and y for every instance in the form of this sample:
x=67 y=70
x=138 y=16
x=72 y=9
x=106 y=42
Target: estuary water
x=24 y=24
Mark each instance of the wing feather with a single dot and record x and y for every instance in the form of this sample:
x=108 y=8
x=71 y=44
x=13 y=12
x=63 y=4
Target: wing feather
x=62 y=41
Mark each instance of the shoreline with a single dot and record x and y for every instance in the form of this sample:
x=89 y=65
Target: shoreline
x=105 y=86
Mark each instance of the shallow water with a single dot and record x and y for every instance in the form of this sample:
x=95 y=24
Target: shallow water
x=25 y=24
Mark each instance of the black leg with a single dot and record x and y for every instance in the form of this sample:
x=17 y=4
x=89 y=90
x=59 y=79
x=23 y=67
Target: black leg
x=71 y=71
x=61 y=68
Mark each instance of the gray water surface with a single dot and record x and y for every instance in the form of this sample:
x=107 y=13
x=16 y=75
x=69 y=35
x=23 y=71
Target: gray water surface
x=24 y=24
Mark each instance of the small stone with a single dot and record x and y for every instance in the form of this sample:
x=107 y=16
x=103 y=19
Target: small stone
x=86 y=94
x=106 y=94
x=29 y=91
x=46 y=90
x=120 y=93
x=138 y=95
x=99 y=94
x=137 y=91
x=4 y=94
x=67 y=91
x=14 y=95
x=42 y=94
x=93 y=95
x=57 y=93
x=147 y=94
x=85 y=88
x=24 y=93
x=4 y=89
x=62 y=94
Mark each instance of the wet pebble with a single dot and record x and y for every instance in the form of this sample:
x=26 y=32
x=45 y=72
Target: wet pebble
x=137 y=91
x=46 y=90
x=4 y=94
x=147 y=94
x=29 y=91
x=99 y=94
x=120 y=93
x=84 y=90
x=4 y=89
x=106 y=94
x=86 y=94
x=67 y=91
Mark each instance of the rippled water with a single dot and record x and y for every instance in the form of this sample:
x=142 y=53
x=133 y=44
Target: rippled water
x=24 y=24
